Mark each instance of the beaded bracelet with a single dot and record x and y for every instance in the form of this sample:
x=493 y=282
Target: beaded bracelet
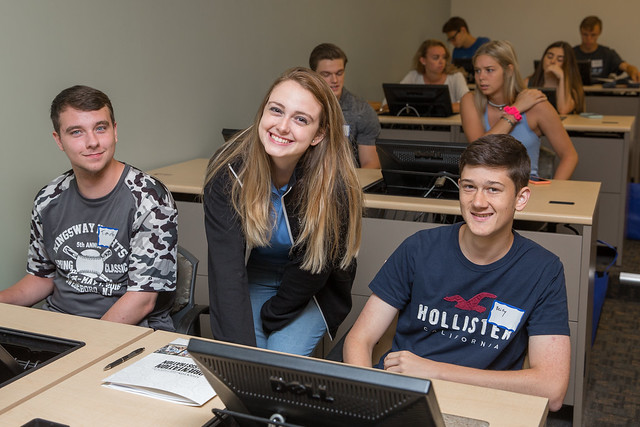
x=508 y=120
x=513 y=111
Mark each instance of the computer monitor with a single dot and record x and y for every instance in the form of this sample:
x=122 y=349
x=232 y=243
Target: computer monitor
x=467 y=65
x=584 y=67
x=418 y=100
x=296 y=390
x=551 y=93
x=420 y=168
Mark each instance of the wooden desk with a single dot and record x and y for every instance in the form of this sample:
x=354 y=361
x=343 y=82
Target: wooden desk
x=101 y=340
x=81 y=400
x=445 y=129
x=499 y=408
x=583 y=195
x=618 y=101
x=605 y=147
x=380 y=236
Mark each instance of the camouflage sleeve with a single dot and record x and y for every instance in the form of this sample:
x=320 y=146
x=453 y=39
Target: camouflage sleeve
x=154 y=243
x=38 y=262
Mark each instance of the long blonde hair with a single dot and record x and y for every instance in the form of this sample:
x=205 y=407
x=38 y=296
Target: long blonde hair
x=328 y=194
x=504 y=53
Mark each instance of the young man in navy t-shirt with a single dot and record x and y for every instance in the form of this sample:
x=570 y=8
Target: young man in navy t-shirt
x=604 y=60
x=474 y=298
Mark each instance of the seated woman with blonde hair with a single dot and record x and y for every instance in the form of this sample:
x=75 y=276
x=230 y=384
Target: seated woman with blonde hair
x=558 y=69
x=432 y=66
x=502 y=104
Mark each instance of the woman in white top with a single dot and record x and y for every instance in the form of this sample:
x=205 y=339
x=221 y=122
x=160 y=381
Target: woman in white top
x=432 y=66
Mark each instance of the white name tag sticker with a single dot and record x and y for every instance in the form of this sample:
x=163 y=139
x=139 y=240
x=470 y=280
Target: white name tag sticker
x=597 y=63
x=106 y=236
x=505 y=316
x=347 y=130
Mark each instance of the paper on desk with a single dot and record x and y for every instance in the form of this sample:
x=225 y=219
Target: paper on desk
x=168 y=374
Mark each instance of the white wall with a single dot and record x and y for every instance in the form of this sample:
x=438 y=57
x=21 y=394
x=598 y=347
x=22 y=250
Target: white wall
x=532 y=26
x=177 y=72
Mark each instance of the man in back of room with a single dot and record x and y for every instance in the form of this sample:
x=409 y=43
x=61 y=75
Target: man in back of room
x=361 y=122
x=604 y=60
x=464 y=44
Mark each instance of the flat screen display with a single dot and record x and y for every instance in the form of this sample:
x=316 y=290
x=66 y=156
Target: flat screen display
x=258 y=384
x=418 y=100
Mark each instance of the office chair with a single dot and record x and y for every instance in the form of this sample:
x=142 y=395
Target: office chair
x=228 y=133
x=185 y=312
x=546 y=162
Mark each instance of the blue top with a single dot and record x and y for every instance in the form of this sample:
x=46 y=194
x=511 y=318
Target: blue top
x=452 y=310
x=278 y=250
x=468 y=52
x=523 y=133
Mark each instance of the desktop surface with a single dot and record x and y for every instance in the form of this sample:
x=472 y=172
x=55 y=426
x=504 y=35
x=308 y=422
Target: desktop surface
x=69 y=390
x=431 y=190
x=188 y=178
x=101 y=338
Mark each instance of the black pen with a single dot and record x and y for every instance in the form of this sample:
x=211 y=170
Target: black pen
x=124 y=358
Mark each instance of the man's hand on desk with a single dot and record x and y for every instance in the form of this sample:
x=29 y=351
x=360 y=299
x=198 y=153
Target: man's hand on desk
x=405 y=362
x=631 y=70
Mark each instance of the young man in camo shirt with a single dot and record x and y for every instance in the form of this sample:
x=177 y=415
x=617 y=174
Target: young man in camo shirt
x=103 y=240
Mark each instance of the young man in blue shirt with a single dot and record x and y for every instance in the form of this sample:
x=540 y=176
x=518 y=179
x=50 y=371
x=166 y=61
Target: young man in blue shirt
x=464 y=44
x=474 y=298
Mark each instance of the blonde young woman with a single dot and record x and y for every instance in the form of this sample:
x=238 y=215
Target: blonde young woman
x=284 y=192
x=432 y=66
x=501 y=104
x=558 y=69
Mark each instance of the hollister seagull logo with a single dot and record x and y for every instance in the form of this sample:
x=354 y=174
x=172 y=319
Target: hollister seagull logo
x=472 y=304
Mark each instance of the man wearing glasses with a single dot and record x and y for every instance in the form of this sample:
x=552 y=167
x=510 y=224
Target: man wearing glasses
x=464 y=44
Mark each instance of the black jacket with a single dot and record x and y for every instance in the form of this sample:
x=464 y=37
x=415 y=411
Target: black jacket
x=230 y=305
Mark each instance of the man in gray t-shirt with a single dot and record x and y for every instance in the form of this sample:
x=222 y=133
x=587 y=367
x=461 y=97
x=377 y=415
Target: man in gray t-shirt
x=361 y=121
x=103 y=238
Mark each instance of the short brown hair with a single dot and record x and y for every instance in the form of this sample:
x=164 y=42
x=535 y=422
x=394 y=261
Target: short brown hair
x=590 y=22
x=454 y=23
x=499 y=151
x=325 y=51
x=83 y=98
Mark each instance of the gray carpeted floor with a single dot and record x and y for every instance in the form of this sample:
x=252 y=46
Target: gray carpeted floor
x=613 y=388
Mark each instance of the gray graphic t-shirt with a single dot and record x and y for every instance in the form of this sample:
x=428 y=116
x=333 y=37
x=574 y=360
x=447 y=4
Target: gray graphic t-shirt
x=98 y=249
